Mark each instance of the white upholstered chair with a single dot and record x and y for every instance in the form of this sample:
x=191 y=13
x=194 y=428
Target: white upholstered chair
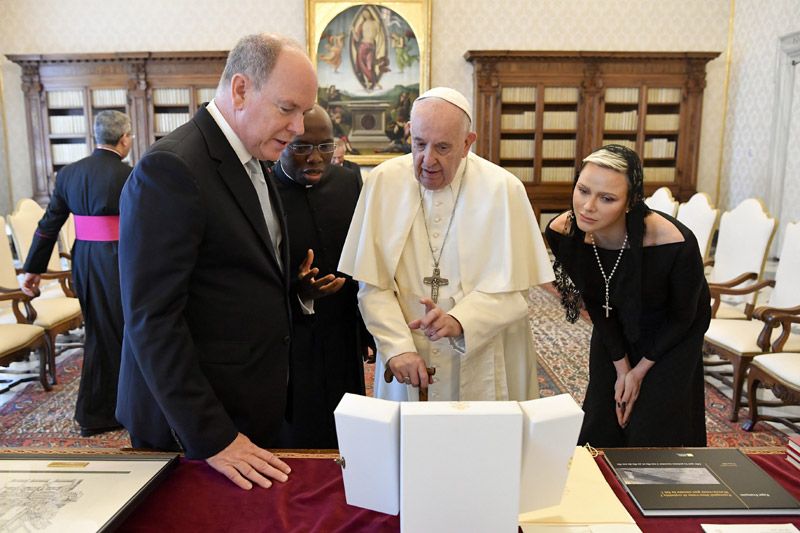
x=738 y=341
x=56 y=314
x=744 y=238
x=23 y=223
x=779 y=372
x=700 y=216
x=18 y=335
x=663 y=201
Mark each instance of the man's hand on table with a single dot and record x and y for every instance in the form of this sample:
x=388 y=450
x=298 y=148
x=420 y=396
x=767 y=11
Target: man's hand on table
x=244 y=463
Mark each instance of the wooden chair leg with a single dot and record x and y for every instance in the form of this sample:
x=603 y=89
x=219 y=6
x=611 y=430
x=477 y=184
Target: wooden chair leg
x=753 y=382
x=44 y=359
x=51 y=356
x=739 y=370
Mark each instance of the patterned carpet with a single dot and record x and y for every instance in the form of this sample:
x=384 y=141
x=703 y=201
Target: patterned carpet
x=34 y=418
x=564 y=360
x=38 y=419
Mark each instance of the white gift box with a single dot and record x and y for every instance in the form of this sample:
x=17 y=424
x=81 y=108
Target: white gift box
x=368 y=430
x=549 y=432
x=456 y=466
x=460 y=464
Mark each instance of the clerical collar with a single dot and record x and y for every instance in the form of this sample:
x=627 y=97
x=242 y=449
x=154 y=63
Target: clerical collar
x=109 y=149
x=233 y=139
x=285 y=174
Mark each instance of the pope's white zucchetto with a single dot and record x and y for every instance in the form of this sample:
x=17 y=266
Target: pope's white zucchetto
x=449 y=95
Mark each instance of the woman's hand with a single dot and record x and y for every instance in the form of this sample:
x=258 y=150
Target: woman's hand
x=623 y=367
x=631 y=388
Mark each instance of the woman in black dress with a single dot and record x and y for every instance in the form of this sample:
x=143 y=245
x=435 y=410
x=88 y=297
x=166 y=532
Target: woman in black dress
x=640 y=275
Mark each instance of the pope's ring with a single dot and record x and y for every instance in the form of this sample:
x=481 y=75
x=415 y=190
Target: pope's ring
x=407 y=380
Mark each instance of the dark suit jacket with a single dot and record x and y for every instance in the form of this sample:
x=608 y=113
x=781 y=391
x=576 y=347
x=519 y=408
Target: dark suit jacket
x=352 y=167
x=207 y=318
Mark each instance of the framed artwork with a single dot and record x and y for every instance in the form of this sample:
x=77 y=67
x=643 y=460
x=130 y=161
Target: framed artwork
x=372 y=61
x=80 y=491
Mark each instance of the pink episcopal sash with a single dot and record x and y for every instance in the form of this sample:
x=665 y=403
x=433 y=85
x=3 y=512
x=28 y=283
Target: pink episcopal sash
x=98 y=228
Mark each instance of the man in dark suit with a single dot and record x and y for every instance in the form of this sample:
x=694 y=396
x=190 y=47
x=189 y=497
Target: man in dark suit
x=328 y=347
x=90 y=189
x=204 y=275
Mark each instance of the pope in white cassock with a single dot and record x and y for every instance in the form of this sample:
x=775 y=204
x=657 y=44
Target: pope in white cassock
x=445 y=247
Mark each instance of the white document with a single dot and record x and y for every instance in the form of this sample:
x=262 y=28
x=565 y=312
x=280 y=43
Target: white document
x=550 y=430
x=368 y=430
x=460 y=466
x=749 y=528
x=595 y=528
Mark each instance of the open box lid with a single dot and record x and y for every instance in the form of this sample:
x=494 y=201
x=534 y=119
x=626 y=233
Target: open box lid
x=550 y=430
x=368 y=430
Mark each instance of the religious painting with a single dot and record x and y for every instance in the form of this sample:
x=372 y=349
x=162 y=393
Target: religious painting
x=372 y=61
x=75 y=491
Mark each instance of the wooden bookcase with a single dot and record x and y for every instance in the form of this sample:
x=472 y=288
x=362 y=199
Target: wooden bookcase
x=63 y=93
x=538 y=114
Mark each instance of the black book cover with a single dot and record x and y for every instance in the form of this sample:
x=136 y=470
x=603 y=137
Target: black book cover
x=698 y=481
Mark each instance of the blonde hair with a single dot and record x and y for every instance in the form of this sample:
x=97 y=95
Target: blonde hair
x=607 y=159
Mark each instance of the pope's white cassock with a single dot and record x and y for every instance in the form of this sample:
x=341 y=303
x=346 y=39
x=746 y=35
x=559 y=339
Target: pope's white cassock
x=491 y=256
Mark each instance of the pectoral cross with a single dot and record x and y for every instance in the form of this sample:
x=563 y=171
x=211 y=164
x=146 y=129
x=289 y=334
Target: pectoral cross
x=435 y=282
x=607 y=308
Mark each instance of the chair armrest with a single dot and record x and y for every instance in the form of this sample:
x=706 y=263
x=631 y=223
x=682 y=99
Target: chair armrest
x=65 y=255
x=18 y=297
x=64 y=278
x=56 y=274
x=786 y=322
x=741 y=278
x=766 y=312
x=11 y=294
x=770 y=322
x=716 y=289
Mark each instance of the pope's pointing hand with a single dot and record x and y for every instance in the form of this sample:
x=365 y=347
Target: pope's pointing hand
x=436 y=324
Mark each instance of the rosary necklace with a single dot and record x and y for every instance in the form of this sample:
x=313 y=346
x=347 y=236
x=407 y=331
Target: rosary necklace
x=607 y=279
x=436 y=281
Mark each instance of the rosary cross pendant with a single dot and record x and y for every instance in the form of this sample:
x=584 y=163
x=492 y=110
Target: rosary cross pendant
x=435 y=281
x=607 y=308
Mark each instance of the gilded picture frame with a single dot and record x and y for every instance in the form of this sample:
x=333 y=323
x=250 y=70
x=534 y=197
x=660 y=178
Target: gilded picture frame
x=372 y=60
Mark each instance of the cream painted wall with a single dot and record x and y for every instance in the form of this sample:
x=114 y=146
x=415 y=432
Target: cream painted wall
x=790 y=209
x=667 y=25
x=49 y=26
x=56 y=26
x=757 y=30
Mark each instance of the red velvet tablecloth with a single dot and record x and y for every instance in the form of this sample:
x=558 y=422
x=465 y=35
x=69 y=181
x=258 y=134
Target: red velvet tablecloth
x=195 y=498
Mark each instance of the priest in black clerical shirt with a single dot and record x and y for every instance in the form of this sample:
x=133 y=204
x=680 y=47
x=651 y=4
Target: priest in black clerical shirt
x=329 y=346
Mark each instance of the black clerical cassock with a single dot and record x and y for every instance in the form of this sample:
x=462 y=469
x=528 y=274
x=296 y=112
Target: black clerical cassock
x=328 y=346
x=90 y=189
